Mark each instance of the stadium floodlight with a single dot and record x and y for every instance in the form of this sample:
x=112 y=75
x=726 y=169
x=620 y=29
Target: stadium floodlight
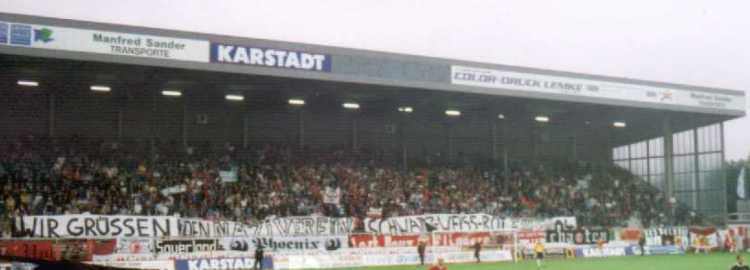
x=100 y=88
x=296 y=102
x=501 y=116
x=541 y=119
x=405 y=109
x=351 y=106
x=28 y=83
x=453 y=113
x=235 y=97
x=619 y=124
x=172 y=93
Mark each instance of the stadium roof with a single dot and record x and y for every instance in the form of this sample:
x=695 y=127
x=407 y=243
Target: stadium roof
x=77 y=52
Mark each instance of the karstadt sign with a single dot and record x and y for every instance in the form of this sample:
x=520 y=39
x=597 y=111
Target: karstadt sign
x=269 y=57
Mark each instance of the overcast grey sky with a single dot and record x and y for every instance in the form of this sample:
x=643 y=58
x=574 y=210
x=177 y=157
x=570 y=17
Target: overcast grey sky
x=703 y=43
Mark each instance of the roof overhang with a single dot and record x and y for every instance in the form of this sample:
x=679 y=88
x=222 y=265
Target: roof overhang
x=107 y=43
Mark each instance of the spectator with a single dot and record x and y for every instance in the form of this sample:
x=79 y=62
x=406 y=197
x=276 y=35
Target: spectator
x=75 y=175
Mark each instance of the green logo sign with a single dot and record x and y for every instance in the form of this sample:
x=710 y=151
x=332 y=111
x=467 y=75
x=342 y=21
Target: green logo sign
x=43 y=35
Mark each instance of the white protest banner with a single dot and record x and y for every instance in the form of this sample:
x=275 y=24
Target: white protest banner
x=543 y=223
x=458 y=223
x=229 y=176
x=304 y=226
x=206 y=228
x=96 y=226
x=174 y=190
x=285 y=226
x=332 y=195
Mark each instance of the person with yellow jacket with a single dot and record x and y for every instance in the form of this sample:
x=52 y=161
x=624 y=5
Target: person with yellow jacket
x=539 y=253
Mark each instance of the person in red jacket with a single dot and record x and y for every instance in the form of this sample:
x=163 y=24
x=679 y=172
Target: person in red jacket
x=440 y=265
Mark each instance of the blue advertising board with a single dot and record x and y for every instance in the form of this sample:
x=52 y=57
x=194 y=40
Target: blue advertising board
x=221 y=263
x=20 y=34
x=269 y=57
x=4 y=33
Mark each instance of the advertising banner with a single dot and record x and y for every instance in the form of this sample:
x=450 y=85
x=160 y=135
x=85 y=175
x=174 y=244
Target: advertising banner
x=42 y=250
x=526 y=238
x=55 y=250
x=383 y=256
x=667 y=236
x=588 y=252
x=187 y=245
x=658 y=250
x=135 y=246
x=103 y=42
x=379 y=240
x=578 y=236
x=287 y=244
x=269 y=57
x=630 y=234
x=146 y=264
x=219 y=264
x=576 y=87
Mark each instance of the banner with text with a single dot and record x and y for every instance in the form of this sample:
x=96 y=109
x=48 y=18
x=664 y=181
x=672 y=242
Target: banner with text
x=283 y=226
x=459 y=223
x=576 y=87
x=103 y=42
x=96 y=226
x=286 y=244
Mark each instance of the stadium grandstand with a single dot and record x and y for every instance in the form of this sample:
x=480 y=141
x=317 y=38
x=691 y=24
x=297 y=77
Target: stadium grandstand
x=165 y=137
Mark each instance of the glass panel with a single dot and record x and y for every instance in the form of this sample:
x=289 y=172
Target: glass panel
x=656 y=147
x=711 y=203
x=683 y=142
x=620 y=153
x=709 y=138
x=656 y=165
x=622 y=164
x=684 y=181
x=710 y=180
x=643 y=167
x=638 y=150
x=658 y=181
x=710 y=161
x=687 y=198
x=684 y=164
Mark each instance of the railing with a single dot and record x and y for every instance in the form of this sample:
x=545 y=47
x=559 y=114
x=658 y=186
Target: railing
x=738 y=217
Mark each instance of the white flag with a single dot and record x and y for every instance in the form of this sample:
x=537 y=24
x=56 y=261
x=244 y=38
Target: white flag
x=741 y=184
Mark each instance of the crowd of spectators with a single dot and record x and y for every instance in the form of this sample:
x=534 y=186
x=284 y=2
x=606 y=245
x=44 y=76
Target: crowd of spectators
x=42 y=176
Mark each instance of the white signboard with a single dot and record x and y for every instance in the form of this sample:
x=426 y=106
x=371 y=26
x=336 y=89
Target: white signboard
x=286 y=243
x=103 y=42
x=529 y=82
